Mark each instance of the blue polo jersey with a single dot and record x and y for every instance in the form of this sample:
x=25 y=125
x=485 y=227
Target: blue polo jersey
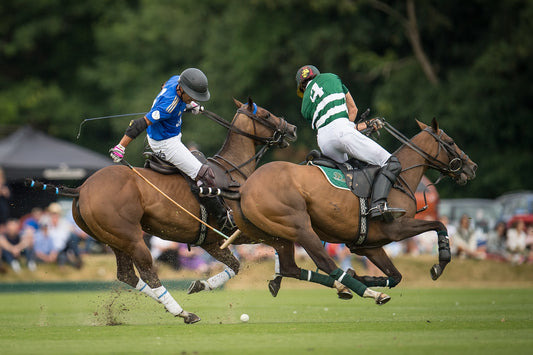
x=166 y=112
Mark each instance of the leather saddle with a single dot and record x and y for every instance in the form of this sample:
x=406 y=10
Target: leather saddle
x=359 y=175
x=158 y=163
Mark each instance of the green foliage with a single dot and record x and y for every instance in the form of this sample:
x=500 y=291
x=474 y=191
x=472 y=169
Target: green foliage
x=62 y=62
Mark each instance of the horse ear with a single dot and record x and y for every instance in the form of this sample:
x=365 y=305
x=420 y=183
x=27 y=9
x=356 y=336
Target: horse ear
x=435 y=125
x=237 y=103
x=250 y=104
x=421 y=125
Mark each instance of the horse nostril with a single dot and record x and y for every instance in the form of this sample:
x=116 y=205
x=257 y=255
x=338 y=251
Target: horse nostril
x=474 y=168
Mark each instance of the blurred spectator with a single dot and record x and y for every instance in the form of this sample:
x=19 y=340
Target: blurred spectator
x=254 y=252
x=529 y=243
x=193 y=259
x=33 y=219
x=5 y=195
x=43 y=246
x=496 y=242
x=65 y=241
x=449 y=227
x=90 y=245
x=165 y=251
x=14 y=245
x=464 y=241
x=516 y=242
x=341 y=254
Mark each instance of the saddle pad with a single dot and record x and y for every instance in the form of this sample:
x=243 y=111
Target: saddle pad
x=334 y=176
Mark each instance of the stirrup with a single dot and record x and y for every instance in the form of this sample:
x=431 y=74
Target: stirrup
x=384 y=212
x=228 y=223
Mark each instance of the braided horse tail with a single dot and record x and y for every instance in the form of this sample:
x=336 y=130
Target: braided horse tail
x=58 y=190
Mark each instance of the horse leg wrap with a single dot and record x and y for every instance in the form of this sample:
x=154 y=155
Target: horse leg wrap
x=348 y=281
x=444 y=246
x=167 y=300
x=308 y=275
x=374 y=281
x=144 y=288
x=220 y=279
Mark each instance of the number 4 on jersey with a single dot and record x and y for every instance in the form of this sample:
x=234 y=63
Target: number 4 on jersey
x=316 y=91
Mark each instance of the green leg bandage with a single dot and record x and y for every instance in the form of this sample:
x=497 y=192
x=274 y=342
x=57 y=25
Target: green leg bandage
x=348 y=281
x=315 y=277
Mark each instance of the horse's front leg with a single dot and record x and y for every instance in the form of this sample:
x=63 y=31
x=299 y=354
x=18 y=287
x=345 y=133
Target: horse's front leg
x=223 y=255
x=404 y=228
x=378 y=257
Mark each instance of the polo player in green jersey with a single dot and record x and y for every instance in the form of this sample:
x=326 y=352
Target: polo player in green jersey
x=330 y=109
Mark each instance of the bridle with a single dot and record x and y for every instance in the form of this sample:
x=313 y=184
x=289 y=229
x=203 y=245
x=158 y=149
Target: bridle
x=279 y=132
x=452 y=168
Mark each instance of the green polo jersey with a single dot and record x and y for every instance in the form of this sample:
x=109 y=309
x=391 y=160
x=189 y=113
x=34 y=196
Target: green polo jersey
x=324 y=100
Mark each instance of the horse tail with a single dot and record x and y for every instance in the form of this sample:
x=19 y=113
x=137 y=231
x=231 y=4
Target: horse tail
x=58 y=190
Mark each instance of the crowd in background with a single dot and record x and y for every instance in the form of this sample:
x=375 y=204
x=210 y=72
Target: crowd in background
x=50 y=236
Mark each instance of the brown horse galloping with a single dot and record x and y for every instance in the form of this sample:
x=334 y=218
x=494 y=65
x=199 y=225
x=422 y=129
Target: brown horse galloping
x=115 y=205
x=283 y=204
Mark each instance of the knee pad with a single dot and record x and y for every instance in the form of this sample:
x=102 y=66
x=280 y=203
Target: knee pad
x=392 y=169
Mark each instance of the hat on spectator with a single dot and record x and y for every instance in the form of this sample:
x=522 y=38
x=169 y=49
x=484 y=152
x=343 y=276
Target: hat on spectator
x=55 y=207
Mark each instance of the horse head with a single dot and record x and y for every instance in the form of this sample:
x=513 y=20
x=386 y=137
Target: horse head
x=449 y=160
x=273 y=131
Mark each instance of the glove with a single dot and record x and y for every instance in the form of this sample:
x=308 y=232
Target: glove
x=194 y=108
x=375 y=124
x=117 y=153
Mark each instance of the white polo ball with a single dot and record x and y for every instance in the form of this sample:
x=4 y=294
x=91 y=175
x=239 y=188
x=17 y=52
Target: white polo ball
x=245 y=318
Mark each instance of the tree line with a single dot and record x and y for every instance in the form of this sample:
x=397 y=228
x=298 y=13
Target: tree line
x=465 y=63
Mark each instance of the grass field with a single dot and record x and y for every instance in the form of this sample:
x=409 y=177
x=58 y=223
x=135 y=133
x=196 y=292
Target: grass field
x=298 y=321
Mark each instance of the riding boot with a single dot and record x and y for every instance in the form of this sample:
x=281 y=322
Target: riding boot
x=380 y=191
x=223 y=216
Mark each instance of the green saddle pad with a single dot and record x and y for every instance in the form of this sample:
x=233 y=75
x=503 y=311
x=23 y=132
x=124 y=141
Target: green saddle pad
x=334 y=176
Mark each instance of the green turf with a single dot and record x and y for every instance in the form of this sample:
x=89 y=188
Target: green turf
x=416 y=321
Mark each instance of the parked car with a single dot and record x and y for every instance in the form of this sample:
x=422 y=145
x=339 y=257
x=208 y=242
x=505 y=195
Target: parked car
x=517 y=205
x=485 y=213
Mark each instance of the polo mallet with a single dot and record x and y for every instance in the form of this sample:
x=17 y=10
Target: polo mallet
x=104 y=117
x=177 y=204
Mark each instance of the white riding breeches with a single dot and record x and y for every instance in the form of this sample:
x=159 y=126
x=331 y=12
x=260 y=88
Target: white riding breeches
x=178 y=154
x=340 y=141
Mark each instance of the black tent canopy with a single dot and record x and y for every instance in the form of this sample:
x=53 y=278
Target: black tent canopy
x=33 y=154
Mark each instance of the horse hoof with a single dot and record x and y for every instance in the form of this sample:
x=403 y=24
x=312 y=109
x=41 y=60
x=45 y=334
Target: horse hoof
x=345 y=295
x=274 y=286
x=191 y=319
x=436 y=271
x=196 y=286
x=382 y=299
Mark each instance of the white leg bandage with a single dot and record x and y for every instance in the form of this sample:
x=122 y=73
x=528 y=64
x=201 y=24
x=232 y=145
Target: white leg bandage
x=371 y=294
x=167 y=300
x=220 y=279
x=276 y=263
x=144 y=288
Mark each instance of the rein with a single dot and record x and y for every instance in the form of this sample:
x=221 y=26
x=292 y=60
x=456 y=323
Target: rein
x=277 y=136
x=452 y=168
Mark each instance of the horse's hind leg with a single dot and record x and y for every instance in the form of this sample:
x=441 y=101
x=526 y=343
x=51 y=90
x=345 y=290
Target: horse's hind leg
x=317 y=253
x=143 y=262
x=313 y=246
x=274 y=285
x=126 y=274
x=223 y=255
